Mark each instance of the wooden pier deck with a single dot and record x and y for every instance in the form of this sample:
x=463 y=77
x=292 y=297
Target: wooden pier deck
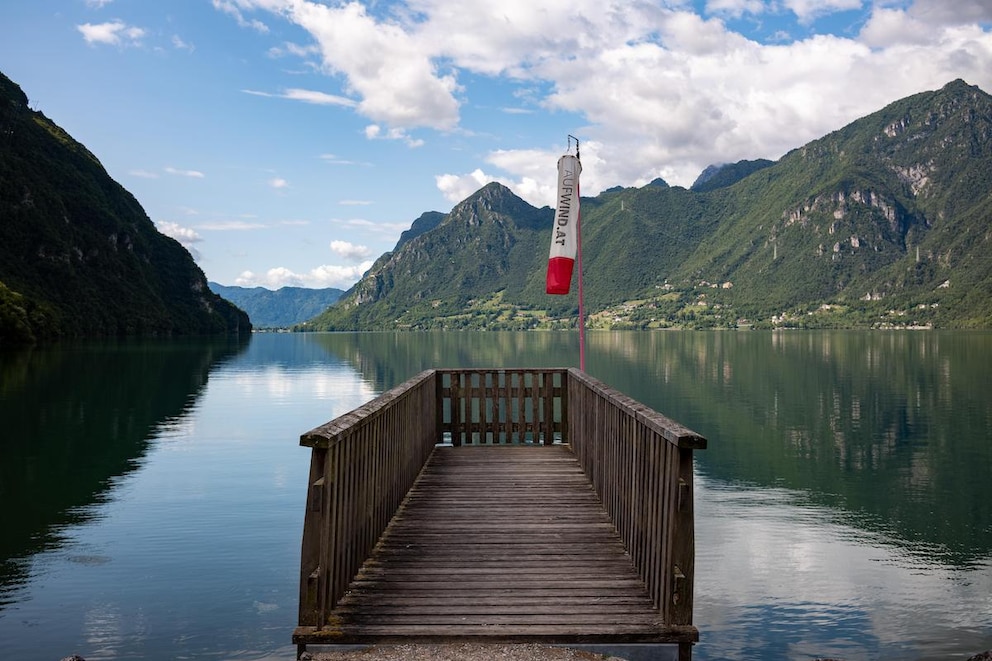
x=568 y=521
x=507 y=542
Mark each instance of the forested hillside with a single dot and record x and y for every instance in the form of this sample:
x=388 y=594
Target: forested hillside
x=78 y=255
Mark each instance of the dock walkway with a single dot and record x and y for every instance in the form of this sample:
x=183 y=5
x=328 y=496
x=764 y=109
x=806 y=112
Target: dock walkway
x=526 y=505
x=509 y=542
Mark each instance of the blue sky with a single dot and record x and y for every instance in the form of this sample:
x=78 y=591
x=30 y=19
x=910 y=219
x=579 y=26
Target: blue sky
x=289 y=142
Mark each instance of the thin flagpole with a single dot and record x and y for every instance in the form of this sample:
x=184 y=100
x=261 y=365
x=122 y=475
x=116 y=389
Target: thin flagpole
x=582 y=306
x=578 y=239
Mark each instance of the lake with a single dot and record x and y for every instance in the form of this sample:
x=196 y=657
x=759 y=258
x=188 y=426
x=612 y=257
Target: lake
x=152 y=493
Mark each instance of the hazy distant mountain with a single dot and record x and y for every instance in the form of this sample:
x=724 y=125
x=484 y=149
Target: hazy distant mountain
x=884 y=223
x=78 y=255
x=281 y=308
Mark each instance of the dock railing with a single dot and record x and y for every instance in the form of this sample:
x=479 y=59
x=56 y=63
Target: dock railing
x=364 y=462
x=361 y=466
x=640 y=464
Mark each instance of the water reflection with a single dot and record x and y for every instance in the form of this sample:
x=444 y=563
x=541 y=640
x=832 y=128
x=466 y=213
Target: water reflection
x=840 y=506
x=388 y=359
x=780 y=577
x=889 y=428
x=78 y=417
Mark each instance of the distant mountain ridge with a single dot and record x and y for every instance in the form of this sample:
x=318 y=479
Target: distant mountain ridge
x=78 y=255
x=883 y=223
x=281 y=308
x=727 y=174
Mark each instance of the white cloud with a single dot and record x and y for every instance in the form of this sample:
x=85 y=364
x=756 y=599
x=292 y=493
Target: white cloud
x=179 y=44
x=319 y=98
x=341 y=277
x=113 y=33
x=355 y=203
x=808 y=10
x=144 y=174
x=532 y=167
x=662 y=90
x=278 y=183
x=374 y=132
x=332 y=159
x=184 y=235
x=350 y=250
x=959 y=12
x=457 y=187
x=736 y=8
x=97 y=4
x=308 y=96
x=231 y=226
x=892 y=27
x=194 y=174
x=230 y=7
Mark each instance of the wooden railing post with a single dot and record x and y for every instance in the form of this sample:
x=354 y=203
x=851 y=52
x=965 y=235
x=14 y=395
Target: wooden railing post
x=683 y=543
x=310 y=602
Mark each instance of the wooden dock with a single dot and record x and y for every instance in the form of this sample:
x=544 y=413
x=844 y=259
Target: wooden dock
x=502 y=534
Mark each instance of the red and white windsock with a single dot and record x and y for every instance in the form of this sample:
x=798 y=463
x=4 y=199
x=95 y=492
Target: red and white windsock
x=565 y=229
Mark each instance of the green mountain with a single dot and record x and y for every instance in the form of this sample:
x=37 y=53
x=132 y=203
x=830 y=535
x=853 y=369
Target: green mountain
x=486 y=240
x=78 y=255
x=281 y=308
x=884 y=223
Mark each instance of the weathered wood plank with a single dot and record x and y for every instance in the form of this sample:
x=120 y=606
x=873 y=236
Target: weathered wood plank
x=499 y=543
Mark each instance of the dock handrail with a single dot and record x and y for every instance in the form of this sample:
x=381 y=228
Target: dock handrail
x=364 y=462
x=362 y=465
x=640 y=464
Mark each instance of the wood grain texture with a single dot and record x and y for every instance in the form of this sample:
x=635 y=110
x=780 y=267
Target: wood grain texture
x=502 y=544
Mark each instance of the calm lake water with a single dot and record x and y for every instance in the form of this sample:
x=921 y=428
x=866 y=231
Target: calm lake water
x=152 y=494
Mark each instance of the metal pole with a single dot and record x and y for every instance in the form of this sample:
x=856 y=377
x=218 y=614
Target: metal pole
x=578 y=238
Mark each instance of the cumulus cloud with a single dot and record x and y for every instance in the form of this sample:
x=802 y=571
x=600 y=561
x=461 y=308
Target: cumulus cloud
x=532 y=166
x=186 y=236
x=960 y=12
x=326 y=275
x=97 y=4
x=664 y=90
x=350 y=250
x=113 y=33
x=278 y=183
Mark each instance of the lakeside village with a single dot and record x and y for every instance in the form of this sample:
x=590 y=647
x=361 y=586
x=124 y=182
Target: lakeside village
x=705 y=306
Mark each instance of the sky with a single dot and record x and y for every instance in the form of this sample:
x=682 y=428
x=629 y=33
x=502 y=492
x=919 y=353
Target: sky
x=290 y=142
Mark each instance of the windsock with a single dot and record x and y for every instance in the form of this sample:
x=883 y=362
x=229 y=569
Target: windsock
x=565 y=229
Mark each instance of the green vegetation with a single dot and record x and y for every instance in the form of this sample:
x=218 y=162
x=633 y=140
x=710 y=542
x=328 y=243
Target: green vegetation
x=881 y=224
x=78 y=255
